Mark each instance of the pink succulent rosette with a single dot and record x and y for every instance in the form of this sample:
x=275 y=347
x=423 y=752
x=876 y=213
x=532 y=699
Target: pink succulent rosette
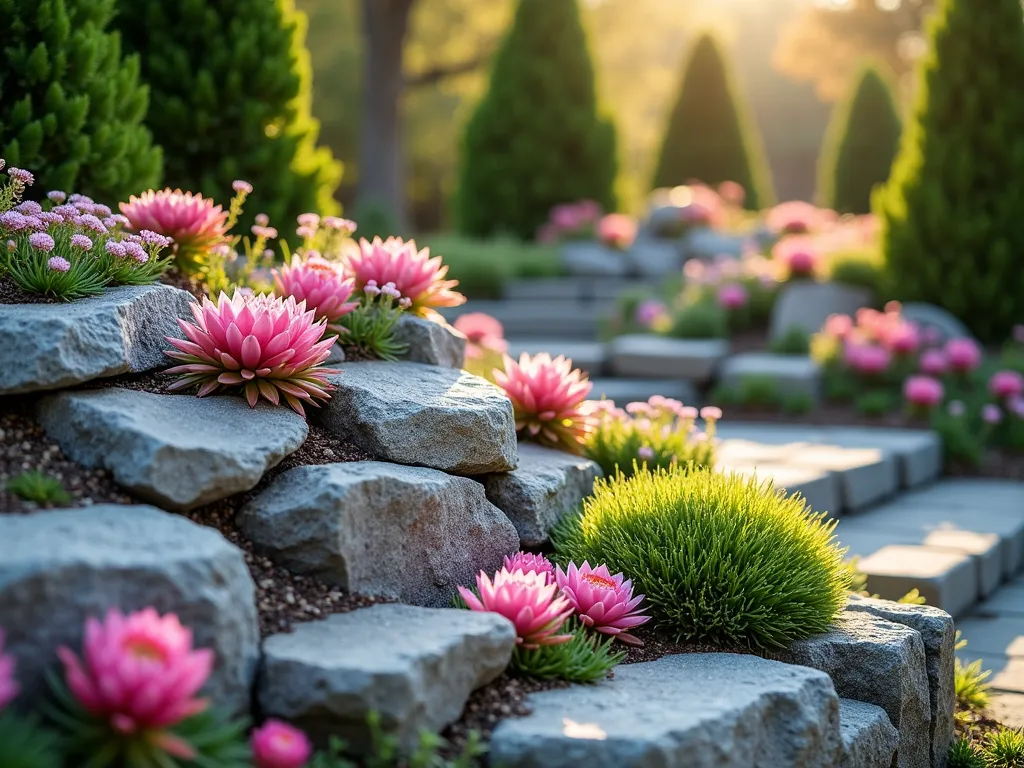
x=963 y=355
x=194 y=222
x=140 y=673
x=548 y=396
x=319 y=283
x=527 y=562
x=923 y=392
x=278 y=745
x=527 y=599
x=603 y=602
x=483 y=333
x=616 y=230
x=268 y=346
x=8 y=685
x=414 y=273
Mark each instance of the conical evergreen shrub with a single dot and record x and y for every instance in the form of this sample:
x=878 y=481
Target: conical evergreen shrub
x=231 y=90
x=71 y=108
x=536 y=139
x=951 y=213
x=860 y=145
x=710 y=137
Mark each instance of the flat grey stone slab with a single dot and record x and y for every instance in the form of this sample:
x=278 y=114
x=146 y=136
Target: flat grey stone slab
x=881 y=663
x=58 y=567
x=588 y=356
x=51 y=346
x=645 y=356
x=866 y=475
x=592 y=258
x=624 y=391
x=533 y=319
x=946 y=579
x=686 y=711
x=806 y=305
x=993 y=635
x=430 y=341
x=1008 y=600
x=414 y=666
x=410 y=533
x=651 y=258
x=179 y=452
x=792 y=374
x=426 y=415
x=939 y=637
x=573 y=289
x=536 y=495
x=869 y=739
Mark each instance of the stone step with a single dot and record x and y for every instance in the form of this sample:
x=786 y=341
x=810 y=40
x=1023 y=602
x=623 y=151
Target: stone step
x=792 y=375
x=820 y=489
x=530 y=319
x=645 y=356
x=624 y=391
x=576 y=289
x=990 y=635
x=415 y=667
x=588 y=356
x=686 y=711
x=869 y=739
x=946 y=578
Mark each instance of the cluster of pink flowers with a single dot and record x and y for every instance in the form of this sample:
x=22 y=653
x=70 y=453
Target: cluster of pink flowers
x=873 y=340
x=538 y=598
x=798 y=255
x=617 y=230
x=751 y=268
x=571 y=221
x=651 y=313
x=798 y=218
x=548 y=397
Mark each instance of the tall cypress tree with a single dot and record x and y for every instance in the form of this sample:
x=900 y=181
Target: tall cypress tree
x=536 y=139
x=231 y=89
x=71 y=108
x=951 y=212
x=710 y=137
x=860 y=145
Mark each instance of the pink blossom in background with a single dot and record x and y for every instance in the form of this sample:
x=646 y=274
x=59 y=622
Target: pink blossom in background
x=933 y=362
x=566 y=217
x=8 y=685
x=991 y=414
x=867 y=359
x=192 y=221
x=319 y=283
x=617 y=230
x=413 y=271
x=649 y=311
x=732 y=193
x=923 y=391
x=602 y=601
x=964 y=355
x=1006 y=384
x=533 y=604
x=278 y=745
x=793 y=218
x=1018 y=334
x=931 y=335
x=903 y=338
x=527 y=562
x=732 y=296
x=547 y=234
x=1016 y=406
x=838 y=326
x=798 y=254
x=482 y=333
x=956 y=408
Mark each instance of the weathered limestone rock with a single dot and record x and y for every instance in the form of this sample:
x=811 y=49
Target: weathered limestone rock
x=881 y=663
x=425 y=415
x=655 y=357
x=546 y=485
x=414 y=666
x=58 y=567
x=869 y=739
x=50 y=346
x=431 y=341
x=806 y=305
x=404 y=532
x=938 y=635
x=688 y=711
x=591 y=259
x=176 y=451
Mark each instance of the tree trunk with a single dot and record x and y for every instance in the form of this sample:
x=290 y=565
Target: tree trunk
x=381 y=161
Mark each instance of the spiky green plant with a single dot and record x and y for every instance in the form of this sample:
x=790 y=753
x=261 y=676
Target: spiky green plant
x=795 y=341
x=963 y=754
x=38 y=487
x=721 y=559
x=586 y=658
x=971 y=686
x=1004 y=749
x=370 y=329
x=24 y=744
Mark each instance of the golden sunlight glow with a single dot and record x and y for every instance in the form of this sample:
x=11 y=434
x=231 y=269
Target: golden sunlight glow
x=588 y=731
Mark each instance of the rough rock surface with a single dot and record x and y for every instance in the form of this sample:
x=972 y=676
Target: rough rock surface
x=176 y=451
x=882 y=663
x=806 y=305
x=58 y=567
x=425 y=415
x=546 y=485
x=415 y=666
x=49 y=346
x=686 y=711
x=938 y=634
x=869 y=739
x=383 y=529
x=431 y=341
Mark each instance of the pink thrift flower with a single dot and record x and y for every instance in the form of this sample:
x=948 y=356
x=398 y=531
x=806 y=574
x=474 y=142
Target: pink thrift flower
x=1006 y=384
x=933 y=362
x=991 y=414
x=602 y=601
x=58 y=264
x=548 y=396
x=55 y=196
x=732 y=193
x=793 y=218
x=22 y=176
x=527 y=562
x=903 y=338
x=413 y=272
x=528 y=600
x=798 y=254
x=645 y=453
x=41 y=241
x=8 y=685
x=710 y=413
x=732 y=296
x=242 y=187
x=1016 y=406
x=140 y=672
x=838 y=326
x=648 y=312
x=964 y=355
x=345 y=226
x=923 y=391
x=279 y=745
x=319 y=283
x=29 y=208
x=482 y=333
x=617 y=230
x=867 y=359
x=81 y=242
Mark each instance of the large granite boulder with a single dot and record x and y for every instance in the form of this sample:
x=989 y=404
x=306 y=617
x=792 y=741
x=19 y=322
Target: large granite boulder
x=805 y=305
x=431 y=341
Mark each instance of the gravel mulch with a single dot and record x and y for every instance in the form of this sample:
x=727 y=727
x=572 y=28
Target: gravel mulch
x=10 y=293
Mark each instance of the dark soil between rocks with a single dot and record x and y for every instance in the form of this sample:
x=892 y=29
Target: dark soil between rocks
x=10 y=293
x=176 y=279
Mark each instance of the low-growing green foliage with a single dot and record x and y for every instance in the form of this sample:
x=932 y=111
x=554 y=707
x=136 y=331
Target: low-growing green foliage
x=370 y=328
x=484 y=267
x=1004 y=749
x=700 y=320
x=972 y=690
x=759 y=392
x=586 y=658
x=795 y=341
x=38 y=487
x=797 y=404
x=24 y=744
x=721 y=558
x=876 y=402
x=864 y=268
x=963 y=754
